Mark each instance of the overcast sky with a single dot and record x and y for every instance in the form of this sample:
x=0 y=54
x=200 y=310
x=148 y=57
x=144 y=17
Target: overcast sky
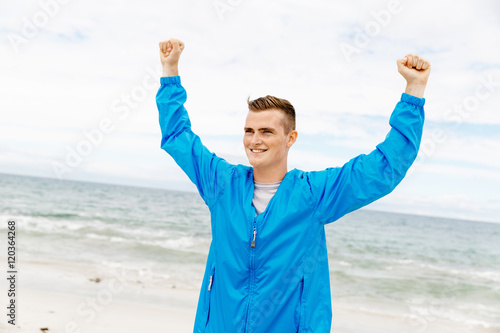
x=79 y=78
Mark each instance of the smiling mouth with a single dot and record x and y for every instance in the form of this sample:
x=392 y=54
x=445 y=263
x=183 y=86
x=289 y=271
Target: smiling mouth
x=258 y=150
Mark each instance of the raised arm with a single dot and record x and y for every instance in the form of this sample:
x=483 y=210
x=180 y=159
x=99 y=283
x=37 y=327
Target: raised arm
x=366 y=178
x=205 y=169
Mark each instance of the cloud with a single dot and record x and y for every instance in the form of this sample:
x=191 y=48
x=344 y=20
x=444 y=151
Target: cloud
x=70 y=73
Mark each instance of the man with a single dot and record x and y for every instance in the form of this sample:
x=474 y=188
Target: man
x=267 y=268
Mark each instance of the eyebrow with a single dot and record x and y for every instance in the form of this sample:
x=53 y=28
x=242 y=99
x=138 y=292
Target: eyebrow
x=261 y=129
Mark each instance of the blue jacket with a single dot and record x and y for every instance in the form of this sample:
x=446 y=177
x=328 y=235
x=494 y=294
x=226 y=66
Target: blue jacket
x=281 y=284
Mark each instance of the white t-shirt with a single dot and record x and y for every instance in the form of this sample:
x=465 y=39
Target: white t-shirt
x=262 y=194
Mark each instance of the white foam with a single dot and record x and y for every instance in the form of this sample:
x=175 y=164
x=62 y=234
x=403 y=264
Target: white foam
x=344 y=263
x=467 y=274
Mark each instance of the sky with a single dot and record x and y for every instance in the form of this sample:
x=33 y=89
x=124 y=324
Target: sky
x=79 y=78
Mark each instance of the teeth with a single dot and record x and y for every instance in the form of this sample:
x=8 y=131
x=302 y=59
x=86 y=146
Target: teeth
x=257 y=150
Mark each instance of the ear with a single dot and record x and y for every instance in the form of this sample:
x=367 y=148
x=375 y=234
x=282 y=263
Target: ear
x=292 y=137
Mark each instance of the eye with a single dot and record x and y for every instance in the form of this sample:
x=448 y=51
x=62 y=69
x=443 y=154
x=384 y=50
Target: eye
x=267 y=131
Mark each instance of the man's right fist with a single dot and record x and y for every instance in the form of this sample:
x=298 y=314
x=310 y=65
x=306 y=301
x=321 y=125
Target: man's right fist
x=170 y=52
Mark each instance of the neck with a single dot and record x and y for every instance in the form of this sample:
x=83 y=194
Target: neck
x=269 y=175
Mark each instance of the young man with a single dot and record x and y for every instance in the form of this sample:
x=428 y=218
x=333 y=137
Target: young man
x=267 y=268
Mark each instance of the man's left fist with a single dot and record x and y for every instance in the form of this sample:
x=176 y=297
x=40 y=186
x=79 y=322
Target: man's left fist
x=414 y=69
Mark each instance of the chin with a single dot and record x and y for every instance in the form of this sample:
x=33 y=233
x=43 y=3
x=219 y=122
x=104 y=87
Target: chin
x=254 y=163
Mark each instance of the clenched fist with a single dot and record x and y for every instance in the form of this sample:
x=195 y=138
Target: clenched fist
x=170 y=52
x=416 y=71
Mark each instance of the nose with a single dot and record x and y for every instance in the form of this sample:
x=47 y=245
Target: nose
x=256 y=139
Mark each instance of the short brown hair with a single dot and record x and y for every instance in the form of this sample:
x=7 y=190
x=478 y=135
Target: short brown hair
x=271 y=102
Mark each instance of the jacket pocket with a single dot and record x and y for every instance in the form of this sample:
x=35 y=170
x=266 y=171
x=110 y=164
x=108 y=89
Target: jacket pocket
x=208 y=294
x=299 y=309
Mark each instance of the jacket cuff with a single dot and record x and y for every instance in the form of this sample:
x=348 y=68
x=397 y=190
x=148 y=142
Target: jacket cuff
x=170 y=80
x=412 y=100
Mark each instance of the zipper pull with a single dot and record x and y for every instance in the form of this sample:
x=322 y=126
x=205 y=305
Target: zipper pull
x=253 y=240
x=210 y=283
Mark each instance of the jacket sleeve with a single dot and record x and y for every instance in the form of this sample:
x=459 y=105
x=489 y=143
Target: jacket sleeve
x=205 y=169
x=366 y=178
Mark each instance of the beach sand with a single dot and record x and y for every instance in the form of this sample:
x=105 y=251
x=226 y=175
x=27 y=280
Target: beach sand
x=75 y=297
x=57 y=311
x=65 y=297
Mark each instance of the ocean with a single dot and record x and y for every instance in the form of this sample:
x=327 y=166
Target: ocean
x=418 y=268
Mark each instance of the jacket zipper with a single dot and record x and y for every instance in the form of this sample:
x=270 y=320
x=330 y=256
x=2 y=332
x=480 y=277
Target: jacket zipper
x=254 y=234
x=252 y=273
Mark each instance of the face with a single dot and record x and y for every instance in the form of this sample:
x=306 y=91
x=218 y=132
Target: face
x=266 y=143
